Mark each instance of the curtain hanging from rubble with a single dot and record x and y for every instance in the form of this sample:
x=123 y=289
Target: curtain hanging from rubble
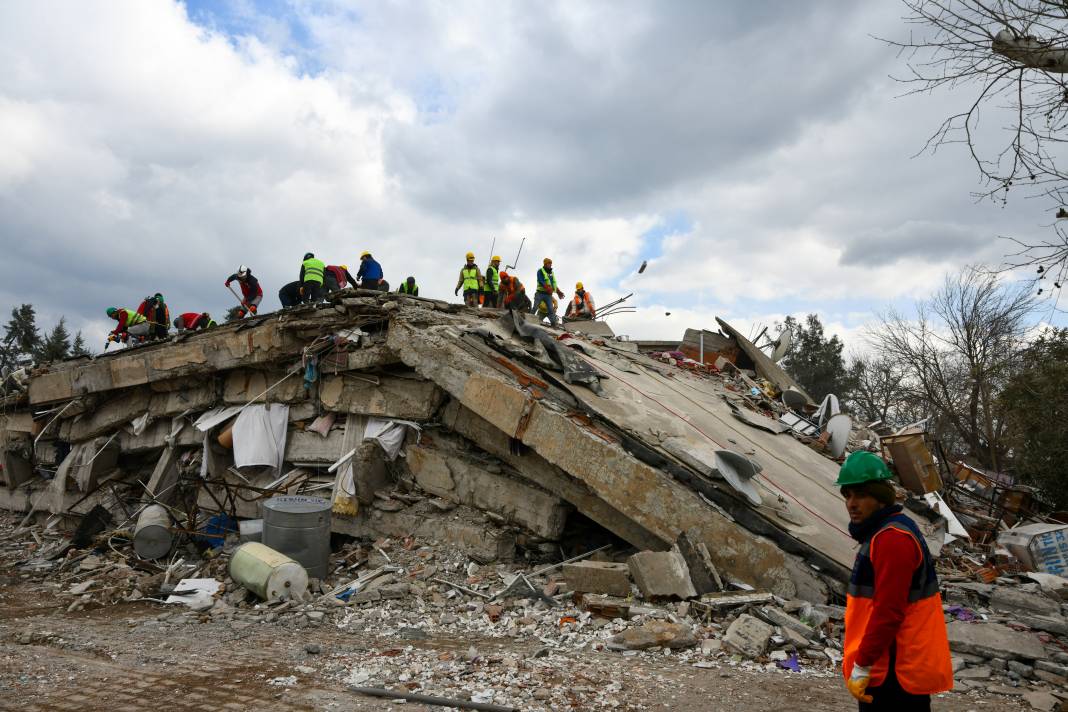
x=260 y=435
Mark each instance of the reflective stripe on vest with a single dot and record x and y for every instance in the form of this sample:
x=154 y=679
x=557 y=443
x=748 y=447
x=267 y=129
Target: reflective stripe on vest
x=133 y=318
x=546 y=281
x=922 y=661
x=405 y=290
x=493 y=278
x=470 y=278
x=314 y=270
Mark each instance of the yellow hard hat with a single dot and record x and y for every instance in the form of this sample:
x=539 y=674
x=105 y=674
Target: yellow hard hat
x=345 y=267
x=578 y=285
x=470 y=255
x=547 y=261
x=365 y=253
x=495 y=258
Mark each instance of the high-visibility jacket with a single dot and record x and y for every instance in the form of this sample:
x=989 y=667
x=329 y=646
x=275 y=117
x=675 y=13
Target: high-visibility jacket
x=128 y=318
x=312 y=270
x=405 y=289
x=493 y=279
x=582 y=304
x=470 y=278
x=921 y=660
x=546 y=281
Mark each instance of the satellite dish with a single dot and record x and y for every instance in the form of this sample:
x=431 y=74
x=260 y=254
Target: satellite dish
x=794 y=399
x=781 y=346
x=738 y=470
x=839 y=427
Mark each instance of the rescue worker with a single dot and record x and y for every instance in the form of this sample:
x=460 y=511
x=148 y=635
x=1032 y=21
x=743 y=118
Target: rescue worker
x=192 y=321
x=155 y=311
x=131 y=323
x=370 y=273
x=289 y=295
x=251 y=291
x=546 y=287
x=895 y=654
x=543 y=309
x=470 y=280
x=513 y=293
x=492 y=292
x=337 y=277
x=581 y=307
x=312 y=272
x=409 y=286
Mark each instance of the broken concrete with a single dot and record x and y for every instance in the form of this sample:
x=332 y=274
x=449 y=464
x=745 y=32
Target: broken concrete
x=661 y=574
x=993 y=640
x=604 y=577
x=656 y=634
x=749 y=636
x=703 y=572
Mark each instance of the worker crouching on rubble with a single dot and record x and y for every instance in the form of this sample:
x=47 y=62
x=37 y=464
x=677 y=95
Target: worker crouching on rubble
x=895 y=653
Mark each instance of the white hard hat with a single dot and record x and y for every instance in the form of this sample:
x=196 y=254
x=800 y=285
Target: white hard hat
x=242 y=270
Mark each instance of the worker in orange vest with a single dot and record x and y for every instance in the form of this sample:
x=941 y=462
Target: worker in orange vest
x=896 y=652
x=581 y=306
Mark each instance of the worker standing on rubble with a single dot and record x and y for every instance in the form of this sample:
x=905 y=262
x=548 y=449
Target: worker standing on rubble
x=471 y=281
x=193 y=321
x=312 y=273
x=895 y=652
x=581 y=307
x=251 y=291
x=492 y=292
x=338 y=277
x=409 y=286
x=513 y=293
x=370 y=273
x=131 y=323
x=546 y=287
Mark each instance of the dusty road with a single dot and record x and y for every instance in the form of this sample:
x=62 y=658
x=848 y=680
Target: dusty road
x=124 y=657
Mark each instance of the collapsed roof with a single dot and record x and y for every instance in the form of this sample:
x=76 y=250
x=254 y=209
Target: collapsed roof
x=520 y=422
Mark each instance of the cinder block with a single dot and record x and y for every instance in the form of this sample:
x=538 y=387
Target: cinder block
x=598 y=577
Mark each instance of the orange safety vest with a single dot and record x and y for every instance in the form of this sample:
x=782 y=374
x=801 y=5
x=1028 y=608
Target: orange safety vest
x=921 y=661
x=577 y=302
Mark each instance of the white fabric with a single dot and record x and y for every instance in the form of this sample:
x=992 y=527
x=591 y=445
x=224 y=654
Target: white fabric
x=389 y=434
x=138 y=425
x=828 y=408
x=260 y=435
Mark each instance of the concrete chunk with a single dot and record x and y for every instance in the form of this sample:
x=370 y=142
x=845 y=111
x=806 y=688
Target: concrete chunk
x=405 y=398
x=654 y=634
x=703 y=572
x=598 y=577
x=785 y=620
x=748 y=635
x=1012 y=600
x=661 y=574
x=993 y=640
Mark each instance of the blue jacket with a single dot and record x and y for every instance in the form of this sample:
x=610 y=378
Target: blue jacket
x=369 y=269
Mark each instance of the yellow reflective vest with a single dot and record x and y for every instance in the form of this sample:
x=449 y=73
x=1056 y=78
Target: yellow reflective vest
x=314 y=270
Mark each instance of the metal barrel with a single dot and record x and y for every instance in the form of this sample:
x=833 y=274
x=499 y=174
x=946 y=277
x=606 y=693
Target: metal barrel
x=299 y=527
x=250 y=530
x=267 y=573
x=153 y=537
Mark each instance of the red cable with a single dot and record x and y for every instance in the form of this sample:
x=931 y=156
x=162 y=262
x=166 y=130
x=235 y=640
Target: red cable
x=717 y=444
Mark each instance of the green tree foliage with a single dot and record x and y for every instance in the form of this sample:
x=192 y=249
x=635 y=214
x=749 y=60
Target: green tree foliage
x=21 y=337
x=78 y=348
x=56 y=345
x=1035 y=405
x=815 y=361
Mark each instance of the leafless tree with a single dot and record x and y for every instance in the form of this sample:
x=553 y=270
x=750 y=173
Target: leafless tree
x=1014 y=53
x=957 y=354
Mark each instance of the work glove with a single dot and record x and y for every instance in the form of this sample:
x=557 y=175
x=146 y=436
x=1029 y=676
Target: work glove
x=857 y=684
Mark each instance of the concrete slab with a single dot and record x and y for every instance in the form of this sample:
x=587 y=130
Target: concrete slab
x=392 y=397
x=661 y=574
x=993 y=640
x=604 y=577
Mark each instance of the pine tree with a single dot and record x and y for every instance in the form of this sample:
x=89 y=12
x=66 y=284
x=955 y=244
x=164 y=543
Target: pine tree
x=78 y=348
x=21 y=338
x=55 y=346
x=815 y=361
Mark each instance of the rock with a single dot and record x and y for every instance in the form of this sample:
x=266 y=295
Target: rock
x=998 y=664
x=1004 y=690
x=661 y=574
x=993 y=640
x=315 y=616
x=958 y=663
x=711 y=645
x=1041 y=700
x=605 y=577
x=1005 y=598
x=785 y=620
x=313 y=649
x=541 y=694
x=1021 y=669
x=748 y=635
x=795 y=639
x=1050 y=624
x=606 y=606
x=656 y=634
x=975 y=673
x=777 y=655
x=1051 y=678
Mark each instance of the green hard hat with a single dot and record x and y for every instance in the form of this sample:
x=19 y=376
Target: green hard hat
x=111 y=311
x=860 y=467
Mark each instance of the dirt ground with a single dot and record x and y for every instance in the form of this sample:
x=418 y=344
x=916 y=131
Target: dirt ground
x=123 y=657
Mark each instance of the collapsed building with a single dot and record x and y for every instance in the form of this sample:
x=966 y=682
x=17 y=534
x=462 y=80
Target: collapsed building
x=421 y=418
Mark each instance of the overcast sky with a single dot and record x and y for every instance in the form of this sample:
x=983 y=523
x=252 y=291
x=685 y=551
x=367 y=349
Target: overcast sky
x=757 y=154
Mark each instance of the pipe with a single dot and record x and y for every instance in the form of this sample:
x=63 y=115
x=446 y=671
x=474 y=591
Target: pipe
x=430 y=700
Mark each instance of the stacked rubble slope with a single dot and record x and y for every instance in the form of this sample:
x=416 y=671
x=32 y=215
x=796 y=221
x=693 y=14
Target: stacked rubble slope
x=521 y=427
